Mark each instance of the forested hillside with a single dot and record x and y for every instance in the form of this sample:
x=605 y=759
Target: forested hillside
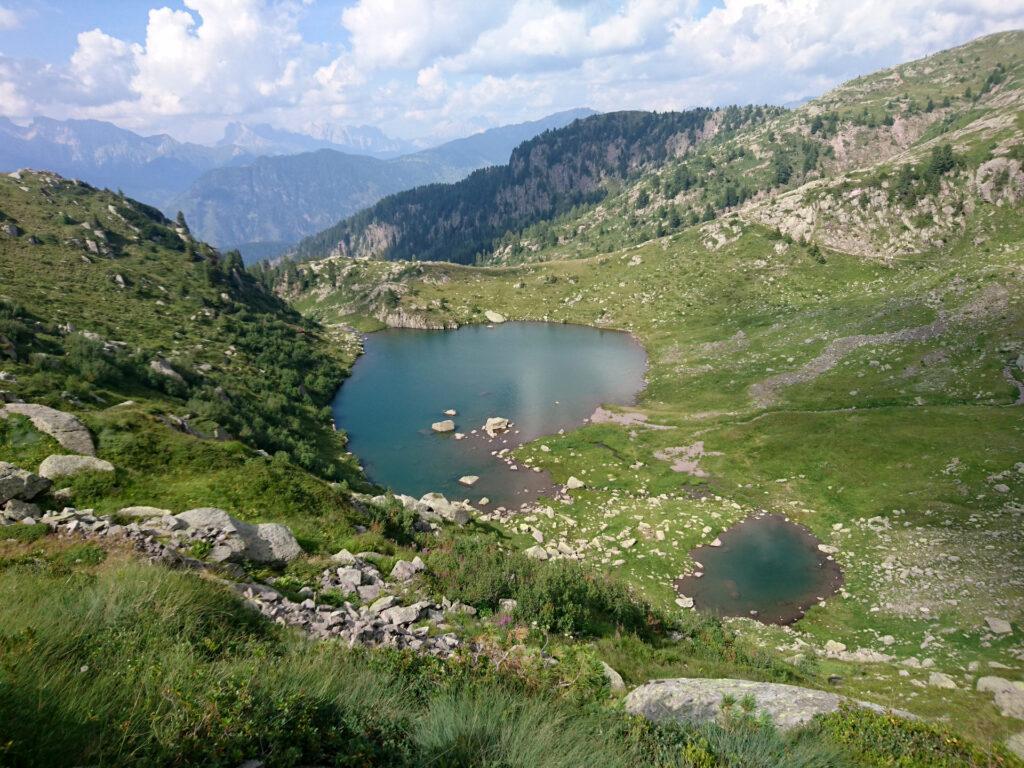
x=546 y=176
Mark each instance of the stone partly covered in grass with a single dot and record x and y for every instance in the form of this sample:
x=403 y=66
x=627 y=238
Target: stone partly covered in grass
x=234 y=540
x=57 y=466
x=62 y=427
x=697 y=701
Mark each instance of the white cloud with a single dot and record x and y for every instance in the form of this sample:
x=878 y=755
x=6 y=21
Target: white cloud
x=8 y=19
x=438 y=66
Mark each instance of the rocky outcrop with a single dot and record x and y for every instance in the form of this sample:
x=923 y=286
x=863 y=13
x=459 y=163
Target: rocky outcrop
x=60 y=465
x=234 y=540
x=62 y=427
x=17 y=483
x=699 y=700
x=1008 y=695
x=435 y=507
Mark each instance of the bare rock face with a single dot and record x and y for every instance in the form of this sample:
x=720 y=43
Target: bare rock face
x=62 y=427
x=65 y=466
x=262 y=543
x=17 y=483
x=699 y=700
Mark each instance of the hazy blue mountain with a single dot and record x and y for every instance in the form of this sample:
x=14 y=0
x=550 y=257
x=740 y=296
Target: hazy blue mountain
x=263 y=139
x=261 y=204
x=151 y=168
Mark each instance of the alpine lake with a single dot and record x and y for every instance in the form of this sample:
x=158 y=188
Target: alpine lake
x=544 y=378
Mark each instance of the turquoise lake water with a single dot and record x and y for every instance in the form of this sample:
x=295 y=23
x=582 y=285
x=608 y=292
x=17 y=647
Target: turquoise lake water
x=765 y=564
x=542 y=376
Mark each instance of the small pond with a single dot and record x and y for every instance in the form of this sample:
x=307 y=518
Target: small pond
x=543 y=376
x=766 y=568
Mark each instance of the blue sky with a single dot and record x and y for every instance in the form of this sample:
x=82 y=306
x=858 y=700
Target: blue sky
x=444 y=68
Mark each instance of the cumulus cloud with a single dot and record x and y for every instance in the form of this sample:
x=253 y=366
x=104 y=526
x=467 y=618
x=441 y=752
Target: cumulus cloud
x=441 y=66
x=8 y=19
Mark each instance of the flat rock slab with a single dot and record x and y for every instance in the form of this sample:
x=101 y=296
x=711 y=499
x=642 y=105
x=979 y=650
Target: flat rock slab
x=261 y=543
x=699 y=700
x=62 y=427
x=65 y=466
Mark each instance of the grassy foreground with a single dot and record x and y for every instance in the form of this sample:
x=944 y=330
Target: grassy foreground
x=123 y=664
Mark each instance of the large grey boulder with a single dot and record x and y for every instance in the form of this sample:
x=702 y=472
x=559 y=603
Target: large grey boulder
x=1007 y=695
x=699 y=700
x=17 y=483
x=16 y=510
x=262 y=543
x=62 y=427
x=435 y=507
x=66 y=465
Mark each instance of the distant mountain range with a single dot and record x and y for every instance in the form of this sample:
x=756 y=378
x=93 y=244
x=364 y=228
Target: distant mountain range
x=259 y=188
x=263 y=205
x=263 y=139
x=150 y=168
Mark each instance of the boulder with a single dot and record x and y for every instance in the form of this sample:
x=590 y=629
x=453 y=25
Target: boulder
x=941 y=680
x=404 y=570
x=1008 y=695
x=403 y=614
x=343 y=557
x=60 y=465
x=443 y=426
x=435 y=507
x=469 y=480
x=1016 y=745
x=143 y=512
x=15 y=510
x=494 y=317
x=161 y=367
x=262 y=543
x=699 y=700
x=62 y=427
x=537 y=552
x=17 y=483
x=998 y=626
x=495 y=425
x=615 y=681
x=574 y=484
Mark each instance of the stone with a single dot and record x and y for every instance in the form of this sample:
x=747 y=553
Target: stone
x=62 y=465
x=62 y=427
x=404 y=570
x=443 y=426
x=507 y=605
x=699 y=700
x=684 y=602
x=574 y=483
x=143 y=512
x=537 y=552
x=828 y=549
x=402 y=614
x=15 y=510
x=434 y=506
x=941 y=680
x=161 y=367
x=615 y=681
x=495 y=425
x=369 y=591
x=451 y=412
x=998 y=626
x=343 y=557
x=1008 y=695
x=1016 y=745
x=383 y=604
x=349 y=578
x=834 y=648
x=469 y=480
x=262 y=543
x=18 y=483
x=494 y=317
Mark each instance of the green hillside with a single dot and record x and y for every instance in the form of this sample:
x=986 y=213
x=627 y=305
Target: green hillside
x=845 y=344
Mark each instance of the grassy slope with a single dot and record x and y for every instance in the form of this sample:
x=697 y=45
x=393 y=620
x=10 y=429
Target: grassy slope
x=876 y=435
